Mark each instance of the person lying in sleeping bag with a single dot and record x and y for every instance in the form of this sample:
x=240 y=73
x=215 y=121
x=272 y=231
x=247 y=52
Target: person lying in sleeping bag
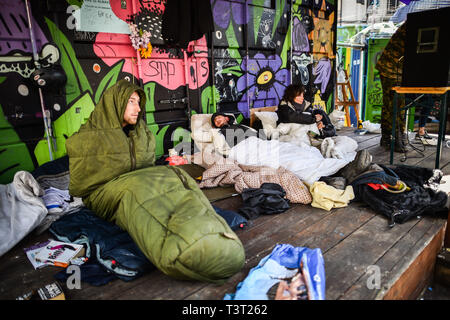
x=232 y=131
x=293 y=108
x=111 y=163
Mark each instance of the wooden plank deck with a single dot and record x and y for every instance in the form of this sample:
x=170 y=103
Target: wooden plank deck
x=352 y=239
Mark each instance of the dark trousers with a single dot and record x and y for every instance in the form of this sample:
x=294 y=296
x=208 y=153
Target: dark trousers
x=387 y=111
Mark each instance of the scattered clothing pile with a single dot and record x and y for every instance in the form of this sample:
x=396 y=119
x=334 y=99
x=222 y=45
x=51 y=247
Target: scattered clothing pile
x=58 y=203
x=105 y=243
x=399 y=192
x=244 y=177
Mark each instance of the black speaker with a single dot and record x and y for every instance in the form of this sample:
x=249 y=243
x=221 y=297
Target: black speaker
x=427 y=55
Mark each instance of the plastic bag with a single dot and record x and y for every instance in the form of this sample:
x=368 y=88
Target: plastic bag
x=372 y=127
x=284 y=262
x=337 y=118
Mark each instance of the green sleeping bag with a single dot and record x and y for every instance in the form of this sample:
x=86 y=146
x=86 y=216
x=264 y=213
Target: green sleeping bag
x=161 y=207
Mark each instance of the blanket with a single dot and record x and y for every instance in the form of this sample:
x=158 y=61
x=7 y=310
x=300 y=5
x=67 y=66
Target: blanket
x=306 y=162
x=244 y=177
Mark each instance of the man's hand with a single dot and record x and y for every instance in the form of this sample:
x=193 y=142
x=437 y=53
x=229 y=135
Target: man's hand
x=320 y=125
x=318 y=117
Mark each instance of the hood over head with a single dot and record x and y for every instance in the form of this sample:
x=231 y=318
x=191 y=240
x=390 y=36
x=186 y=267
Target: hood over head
x=109 y=111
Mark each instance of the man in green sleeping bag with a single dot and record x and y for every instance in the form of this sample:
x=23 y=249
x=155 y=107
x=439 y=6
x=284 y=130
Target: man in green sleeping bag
x=112 y=168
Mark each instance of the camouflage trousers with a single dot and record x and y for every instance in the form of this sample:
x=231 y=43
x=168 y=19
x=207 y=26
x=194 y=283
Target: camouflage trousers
x=387 y=111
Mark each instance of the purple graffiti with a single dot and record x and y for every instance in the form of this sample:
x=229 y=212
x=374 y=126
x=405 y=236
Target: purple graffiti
x=300 y=40
x=223 y=10
x=322 y=71
x=263 y=80
x=14 y=26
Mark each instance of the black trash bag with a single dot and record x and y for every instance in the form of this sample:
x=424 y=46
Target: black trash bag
x=421 y=200
x=268 y=199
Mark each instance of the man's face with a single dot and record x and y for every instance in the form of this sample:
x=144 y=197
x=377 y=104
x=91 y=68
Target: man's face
x=299 y=99
x=132 y=111
x=220 y=121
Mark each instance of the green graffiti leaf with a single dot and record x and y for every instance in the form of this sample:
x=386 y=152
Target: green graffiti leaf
x=209 y=97
x=77 y=3
x=257 y=13
x=236 y=70
x=159 y=135
x=149 y=89
x=233 y=44
x=77 y=82
x=278 y=12
x=14 y=154
x=65 y=126
x=239 y=118
x=286 y=47
x=108 y=80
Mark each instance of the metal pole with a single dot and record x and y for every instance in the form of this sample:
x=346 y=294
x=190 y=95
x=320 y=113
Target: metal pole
x=442 y=125
x=291 y=33
x=391 y=161
x=37 y=64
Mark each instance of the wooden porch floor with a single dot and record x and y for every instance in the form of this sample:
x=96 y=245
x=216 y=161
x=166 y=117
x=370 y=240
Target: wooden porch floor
x=351 y=239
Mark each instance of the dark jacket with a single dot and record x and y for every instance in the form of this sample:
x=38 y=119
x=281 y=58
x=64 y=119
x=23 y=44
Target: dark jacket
x=295 y=113
x=304 y=114
x=235 y=132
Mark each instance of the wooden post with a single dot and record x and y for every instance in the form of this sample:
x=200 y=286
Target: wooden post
x=348 y=99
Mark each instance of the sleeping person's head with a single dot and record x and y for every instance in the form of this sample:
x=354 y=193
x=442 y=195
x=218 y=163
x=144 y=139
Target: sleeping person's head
x=294 y=93
x=218 y=120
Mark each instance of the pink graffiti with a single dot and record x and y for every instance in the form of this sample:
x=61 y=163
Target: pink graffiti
x=168 y=72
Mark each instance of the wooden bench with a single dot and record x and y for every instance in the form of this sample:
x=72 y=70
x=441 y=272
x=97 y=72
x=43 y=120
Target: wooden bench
x=253 y=117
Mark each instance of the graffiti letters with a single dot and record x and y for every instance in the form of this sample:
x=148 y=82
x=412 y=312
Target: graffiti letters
x=163 y=70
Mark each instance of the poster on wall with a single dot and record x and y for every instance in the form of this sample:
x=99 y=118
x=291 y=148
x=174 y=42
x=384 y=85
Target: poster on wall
x=97 y=16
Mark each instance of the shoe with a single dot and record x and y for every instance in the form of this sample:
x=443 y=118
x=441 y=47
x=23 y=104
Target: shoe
x=362 y=161
x=426 y=139
x=428 y=142
x=424 y=136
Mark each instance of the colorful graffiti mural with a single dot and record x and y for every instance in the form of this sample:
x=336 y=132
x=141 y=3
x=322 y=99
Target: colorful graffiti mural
x=374 y=91
x=245 y=63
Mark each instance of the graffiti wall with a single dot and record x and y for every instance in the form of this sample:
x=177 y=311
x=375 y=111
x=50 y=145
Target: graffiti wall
x=57 y=58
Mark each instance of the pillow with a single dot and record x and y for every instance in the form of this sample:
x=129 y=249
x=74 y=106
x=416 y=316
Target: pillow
x=268 y=120
x=201 y=128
